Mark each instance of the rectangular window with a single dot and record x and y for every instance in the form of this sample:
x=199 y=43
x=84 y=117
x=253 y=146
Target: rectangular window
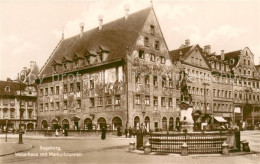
x=71 y=87
x=192 y=60
x=170 y=83
x=155 y=101
x=137 y=78
x=78 y=103
x=157 y=45
x=155 y=81
x=152 y=29
x=91 y=84
x=92 y=102
x=41 y=92
x=147 y=100
x=200 y=62
x=152 y=57
x=65 y=88
x=52 y=106
x=78 y=86
x=52 y=91
x=163 y=101
x=137 y=99
x=162 y=60
x=147 y=80
x=141 y=54
x=146 y=42
x=109 y=100
x=117 y=100
x=57 y=105
x=170 y=102
x=57 y=90
x=65 y=105
x=163 y=82
x=100 y=101
x=41 y=107
x=46 y=106
x=46 y=91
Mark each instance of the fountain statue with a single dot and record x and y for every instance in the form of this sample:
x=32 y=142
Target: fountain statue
x=186 y=119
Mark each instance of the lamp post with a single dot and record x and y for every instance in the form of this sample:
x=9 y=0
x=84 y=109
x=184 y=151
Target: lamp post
x=205 y=98
x=21 y=78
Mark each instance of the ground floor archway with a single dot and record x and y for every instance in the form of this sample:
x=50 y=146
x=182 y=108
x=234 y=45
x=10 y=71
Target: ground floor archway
x=147 y=123
x=101 y=122
x=88 y=124
x=44 y=124
x=136 y=122
x=116 y=122
x=65 y=124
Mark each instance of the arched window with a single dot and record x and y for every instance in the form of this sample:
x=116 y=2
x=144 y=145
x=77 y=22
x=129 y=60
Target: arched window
x=164 y=123
x=137 y=122
x=116 y=122
x=147 y=123
x=65 y=123
x=44 y=124
x=171 y=124
x=88 y=124
x=101 y=122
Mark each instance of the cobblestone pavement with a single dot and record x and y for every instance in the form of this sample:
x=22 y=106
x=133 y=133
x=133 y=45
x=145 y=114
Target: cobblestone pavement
x=114 y=150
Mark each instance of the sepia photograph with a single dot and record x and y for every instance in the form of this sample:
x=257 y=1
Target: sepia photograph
x=130 y=81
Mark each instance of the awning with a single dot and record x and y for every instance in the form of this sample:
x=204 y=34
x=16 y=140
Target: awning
x=220 y=119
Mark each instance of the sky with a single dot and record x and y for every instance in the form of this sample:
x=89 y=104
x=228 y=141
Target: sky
x=31 y=29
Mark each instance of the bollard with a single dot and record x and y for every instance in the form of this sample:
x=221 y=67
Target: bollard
x=147 y=148
x=245 y=146
x=184 y=149
x=131 y=146
x=224 y=148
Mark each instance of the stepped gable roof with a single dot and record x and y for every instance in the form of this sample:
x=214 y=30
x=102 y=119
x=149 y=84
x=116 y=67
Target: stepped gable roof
x=14 y=86
x=114 y=36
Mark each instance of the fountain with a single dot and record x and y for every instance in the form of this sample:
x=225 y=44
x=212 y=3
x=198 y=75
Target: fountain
x=186 y=119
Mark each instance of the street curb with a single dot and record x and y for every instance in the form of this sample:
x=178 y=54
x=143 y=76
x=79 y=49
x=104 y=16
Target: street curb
x=19 y=151
x=191 y=155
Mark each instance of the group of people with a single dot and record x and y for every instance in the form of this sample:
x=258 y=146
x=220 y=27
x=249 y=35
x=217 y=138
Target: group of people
x=129 y=132
x=64 y=132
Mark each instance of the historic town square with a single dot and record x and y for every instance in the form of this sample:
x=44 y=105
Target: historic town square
x=130 y=81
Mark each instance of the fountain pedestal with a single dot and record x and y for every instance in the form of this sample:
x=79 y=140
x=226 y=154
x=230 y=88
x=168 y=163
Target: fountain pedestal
x=186 y=117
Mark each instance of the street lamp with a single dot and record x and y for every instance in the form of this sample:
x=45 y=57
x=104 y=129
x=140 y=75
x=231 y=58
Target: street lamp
x=205 y=99
x=21 y=78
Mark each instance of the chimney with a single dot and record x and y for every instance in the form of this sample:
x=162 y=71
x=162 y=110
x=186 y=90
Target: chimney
x=187 y=42
x=100 y=20
x=32 y=64
x=81 y=25
x=126 y=11
x=222 y=55
x=207 y=49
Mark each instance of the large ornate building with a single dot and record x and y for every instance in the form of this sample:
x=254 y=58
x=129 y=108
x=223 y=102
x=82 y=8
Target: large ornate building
x=118 y=74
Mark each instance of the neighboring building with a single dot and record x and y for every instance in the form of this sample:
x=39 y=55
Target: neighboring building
x=196 y=66
x=10 y=104
x=124 y=78
x=222 y=80
x=233 y=88
x=246 y=86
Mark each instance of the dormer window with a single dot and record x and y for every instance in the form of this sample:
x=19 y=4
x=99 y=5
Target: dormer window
x=7 y=89
x=152 y=29
x=232 y=61
x=55 y=68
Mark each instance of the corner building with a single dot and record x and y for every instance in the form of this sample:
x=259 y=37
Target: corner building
x=118 y=74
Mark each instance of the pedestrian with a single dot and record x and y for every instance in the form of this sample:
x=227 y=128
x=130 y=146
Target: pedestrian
x=126 y=131
x=103 y=133
x=66 y=131
x=118 y=130
x=130 y=132
x=56 y=133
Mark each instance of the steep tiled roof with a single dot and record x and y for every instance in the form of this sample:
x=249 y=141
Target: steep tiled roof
x=233 y=55
x=114 y=36
x=176 y=54
x=14 y=86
